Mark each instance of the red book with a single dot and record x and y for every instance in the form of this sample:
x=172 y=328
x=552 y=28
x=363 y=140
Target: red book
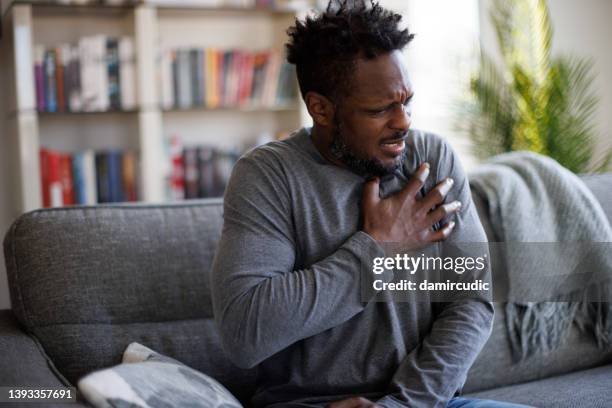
x=177 y=178
x=65 y=164
x=44 y=177
x=246 y=78
x=54 y=179
x=59 y=79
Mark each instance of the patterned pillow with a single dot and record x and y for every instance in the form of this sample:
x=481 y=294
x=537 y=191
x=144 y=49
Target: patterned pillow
x=150 y=380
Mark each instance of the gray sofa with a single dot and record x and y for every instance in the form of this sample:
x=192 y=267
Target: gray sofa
x=87 y=281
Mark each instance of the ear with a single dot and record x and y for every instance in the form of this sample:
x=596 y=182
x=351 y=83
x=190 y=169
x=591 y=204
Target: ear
x=320 y=108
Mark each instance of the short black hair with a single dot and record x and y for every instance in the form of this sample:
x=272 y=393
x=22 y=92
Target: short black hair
x=324 y=47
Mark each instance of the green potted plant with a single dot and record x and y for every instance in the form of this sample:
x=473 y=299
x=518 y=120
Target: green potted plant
x=532 y=101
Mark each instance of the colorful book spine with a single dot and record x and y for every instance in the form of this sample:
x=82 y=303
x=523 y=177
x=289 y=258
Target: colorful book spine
x=51 y=178
x=78 y=179
x=129 y=171
x=190 y=158
x=197 y=77
x=59 y=79
x=127 y=73
x=50 y=82
x=206 y=172
x=184 y=77
x=44 y=177
x=177 y=175
x=112 y=62
x=75 y=101
x=115 y=177
x=89 y=176
x=66 y=177
x=39 y=77
x=102 y=178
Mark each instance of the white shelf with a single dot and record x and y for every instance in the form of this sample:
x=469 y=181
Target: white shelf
x=146 y=128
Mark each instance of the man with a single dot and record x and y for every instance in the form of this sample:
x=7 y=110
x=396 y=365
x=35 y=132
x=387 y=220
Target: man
x=302 y=215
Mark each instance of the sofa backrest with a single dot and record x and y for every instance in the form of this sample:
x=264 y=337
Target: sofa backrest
x=87 y=281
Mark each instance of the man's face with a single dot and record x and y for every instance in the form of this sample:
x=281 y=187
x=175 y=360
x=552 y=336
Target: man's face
x=372 y=121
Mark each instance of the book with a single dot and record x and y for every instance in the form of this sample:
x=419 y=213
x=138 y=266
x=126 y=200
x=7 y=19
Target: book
x=127 y=73
x=89 y=176
x=129 y=171
x=185 y=99
x=115 y=180
x=197 y=76
x=75 y=101
x=87 y=75
x=112 y=64
x=175 y=77
x=177 y=173
x=101 y=84
x=51 y=178
x=190 y=158
x=59 y=79
x=65 y=51
x=84 y=175
x=50 y=81
x=206 y=172
x=39 y=77
x=102 y=178
x=66 y=179
x=44 y=178
x=78 y=179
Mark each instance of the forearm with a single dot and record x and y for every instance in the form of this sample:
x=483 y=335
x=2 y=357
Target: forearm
x=260 y=313
x=431 y=373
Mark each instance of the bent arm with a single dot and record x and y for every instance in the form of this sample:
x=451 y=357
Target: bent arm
x=432 y=372
x=263 y=304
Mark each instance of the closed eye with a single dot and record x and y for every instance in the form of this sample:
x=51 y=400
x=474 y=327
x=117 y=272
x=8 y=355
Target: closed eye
x=382 y=110
x=408 y=100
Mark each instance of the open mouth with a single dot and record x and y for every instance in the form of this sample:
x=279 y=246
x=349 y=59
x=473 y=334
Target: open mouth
x=393 y=147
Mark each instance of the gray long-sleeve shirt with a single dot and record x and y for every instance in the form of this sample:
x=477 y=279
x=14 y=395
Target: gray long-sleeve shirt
x=286 y=287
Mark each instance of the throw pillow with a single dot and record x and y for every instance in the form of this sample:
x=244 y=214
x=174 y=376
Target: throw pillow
x=150 y=380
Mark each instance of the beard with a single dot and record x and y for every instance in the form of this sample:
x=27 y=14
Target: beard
x=359 y=163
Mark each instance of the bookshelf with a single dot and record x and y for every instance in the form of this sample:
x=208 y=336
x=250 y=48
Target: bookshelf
x=148 y=127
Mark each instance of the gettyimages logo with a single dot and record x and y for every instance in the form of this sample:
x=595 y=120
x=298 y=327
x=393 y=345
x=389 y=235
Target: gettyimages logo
x=515 y=272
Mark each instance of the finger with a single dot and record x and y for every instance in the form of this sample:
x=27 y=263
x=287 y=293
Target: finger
x=442 y=211
x=443 y=233
x=371 y=191
x=416 y=182
x=437 y=195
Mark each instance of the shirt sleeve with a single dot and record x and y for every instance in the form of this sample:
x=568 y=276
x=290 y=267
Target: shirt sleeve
x=436 y=369
x=261 y=303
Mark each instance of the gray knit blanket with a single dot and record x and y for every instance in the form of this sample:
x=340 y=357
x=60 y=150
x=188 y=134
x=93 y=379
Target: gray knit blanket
x=533 y=199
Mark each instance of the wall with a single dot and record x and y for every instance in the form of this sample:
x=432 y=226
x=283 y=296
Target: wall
x=581 y=28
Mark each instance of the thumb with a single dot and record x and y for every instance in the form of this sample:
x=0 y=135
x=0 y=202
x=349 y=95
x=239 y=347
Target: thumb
x=371 y=191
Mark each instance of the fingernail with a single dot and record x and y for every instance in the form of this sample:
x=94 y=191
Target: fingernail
x=450 y=181
x=457 y=204
x=426 y=164
x=451 y=224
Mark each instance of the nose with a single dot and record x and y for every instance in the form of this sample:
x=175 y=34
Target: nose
x=401 y=119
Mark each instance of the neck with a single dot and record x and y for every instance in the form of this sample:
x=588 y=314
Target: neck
x=322 y=139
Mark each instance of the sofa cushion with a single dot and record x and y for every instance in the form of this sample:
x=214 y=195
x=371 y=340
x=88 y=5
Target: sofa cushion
x=588 y=388
x=495 y=366
x=87 y=281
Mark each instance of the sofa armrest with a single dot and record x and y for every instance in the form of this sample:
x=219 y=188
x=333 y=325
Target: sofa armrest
x=23 y=363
